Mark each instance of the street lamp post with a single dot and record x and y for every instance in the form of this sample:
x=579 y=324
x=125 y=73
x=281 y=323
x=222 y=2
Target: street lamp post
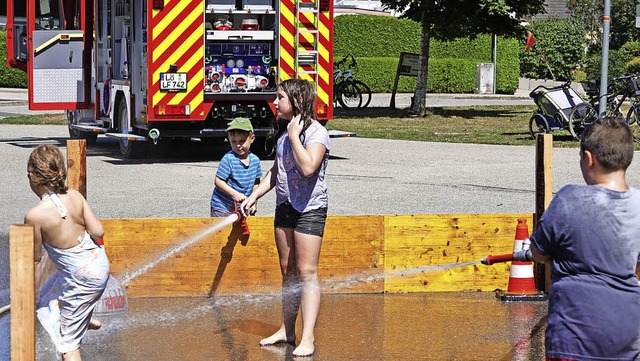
x=606 y=22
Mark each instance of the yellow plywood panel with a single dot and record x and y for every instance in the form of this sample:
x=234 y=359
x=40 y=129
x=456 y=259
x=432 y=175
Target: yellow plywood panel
x=352 y=254
x=422 y=251
x=191 y=258
x=222 y=262
x=360 y=254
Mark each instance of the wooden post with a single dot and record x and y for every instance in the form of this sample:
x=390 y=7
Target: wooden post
x=544 y=192
x=22 y=288
x=77 y=165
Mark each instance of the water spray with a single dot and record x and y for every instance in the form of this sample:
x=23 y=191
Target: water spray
x=233 y=217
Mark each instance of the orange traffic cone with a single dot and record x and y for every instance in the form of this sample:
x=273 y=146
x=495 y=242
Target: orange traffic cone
x=522 y=285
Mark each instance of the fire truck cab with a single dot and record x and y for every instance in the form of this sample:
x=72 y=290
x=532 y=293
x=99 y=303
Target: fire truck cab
x=153 y=70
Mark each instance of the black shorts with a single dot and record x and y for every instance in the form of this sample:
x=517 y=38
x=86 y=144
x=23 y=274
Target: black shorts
x=311 y=222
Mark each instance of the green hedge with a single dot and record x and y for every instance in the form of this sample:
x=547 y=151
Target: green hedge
x=377 y=41
x=9 y=78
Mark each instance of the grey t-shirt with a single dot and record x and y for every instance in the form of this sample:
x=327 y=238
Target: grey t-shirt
x=593 y=237
x=304 y=193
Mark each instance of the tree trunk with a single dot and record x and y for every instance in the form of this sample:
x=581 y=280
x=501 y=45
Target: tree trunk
x=420 y=95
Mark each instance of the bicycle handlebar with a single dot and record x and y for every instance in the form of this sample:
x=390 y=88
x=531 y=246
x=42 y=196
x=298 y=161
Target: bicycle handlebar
x=353 y=62
x=337 y=64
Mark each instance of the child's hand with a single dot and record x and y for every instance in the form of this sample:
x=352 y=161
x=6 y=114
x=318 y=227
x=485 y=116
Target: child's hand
x=294 y=128
x=239 y=198
x=246 y=206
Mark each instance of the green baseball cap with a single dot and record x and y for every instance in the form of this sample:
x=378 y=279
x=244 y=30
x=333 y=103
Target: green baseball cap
x=240 y=124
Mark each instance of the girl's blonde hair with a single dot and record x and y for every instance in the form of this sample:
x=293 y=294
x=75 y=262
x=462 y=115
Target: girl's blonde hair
x=47 y=169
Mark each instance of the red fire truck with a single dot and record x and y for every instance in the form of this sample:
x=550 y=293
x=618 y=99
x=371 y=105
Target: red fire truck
x=148 y=70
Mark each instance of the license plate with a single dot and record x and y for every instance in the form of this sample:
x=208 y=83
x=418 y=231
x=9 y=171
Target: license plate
x=173 y=81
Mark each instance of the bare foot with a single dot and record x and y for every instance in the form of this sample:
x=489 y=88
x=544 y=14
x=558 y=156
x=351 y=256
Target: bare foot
x=94 y=324
x=278 y=337
x=72 y=356
x=305 y=348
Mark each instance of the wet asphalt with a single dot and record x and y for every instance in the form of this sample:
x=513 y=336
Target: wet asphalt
x=365 y=176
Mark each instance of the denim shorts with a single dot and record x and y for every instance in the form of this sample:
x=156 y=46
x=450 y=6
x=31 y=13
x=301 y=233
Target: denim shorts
x=215 y=212
x=311 y=222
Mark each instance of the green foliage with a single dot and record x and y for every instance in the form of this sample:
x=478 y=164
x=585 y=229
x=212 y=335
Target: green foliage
x=452 y=19
x=374 y=36
x=579 y=76
x=557 y=52
x=618 y=60
x=9 y=78
x=633 y=66
x=452 y=64
x=588 y=14
x=632 y=48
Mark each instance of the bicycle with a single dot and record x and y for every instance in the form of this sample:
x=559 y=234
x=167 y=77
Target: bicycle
x=618 y=92
x=349 y=92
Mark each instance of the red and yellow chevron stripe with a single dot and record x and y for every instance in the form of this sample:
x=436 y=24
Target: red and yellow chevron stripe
x=176 y=36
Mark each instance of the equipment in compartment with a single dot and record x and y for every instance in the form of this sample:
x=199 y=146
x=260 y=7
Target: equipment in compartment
x=238 y=67
x=242 y=5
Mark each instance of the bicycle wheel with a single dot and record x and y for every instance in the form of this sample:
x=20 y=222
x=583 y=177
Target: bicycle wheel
x=632 y=119
x=538 y=124
x=582 y=115
x=632 y=114
x=349 y=96
x=365 y=91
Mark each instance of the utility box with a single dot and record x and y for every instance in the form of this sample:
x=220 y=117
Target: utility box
x=484 y=78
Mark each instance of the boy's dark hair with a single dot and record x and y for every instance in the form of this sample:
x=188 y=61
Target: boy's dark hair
x=610 y=140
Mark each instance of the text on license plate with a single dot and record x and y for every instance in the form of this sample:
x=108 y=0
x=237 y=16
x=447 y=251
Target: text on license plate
x=173 y=81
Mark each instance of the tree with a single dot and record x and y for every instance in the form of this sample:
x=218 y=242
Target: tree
x=451 y=19
x=588 y=13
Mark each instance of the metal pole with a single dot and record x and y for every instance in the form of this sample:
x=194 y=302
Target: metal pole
x=606 y=22
x=495 y=60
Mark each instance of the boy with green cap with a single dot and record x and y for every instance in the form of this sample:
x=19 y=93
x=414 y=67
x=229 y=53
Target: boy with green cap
x=239 y=170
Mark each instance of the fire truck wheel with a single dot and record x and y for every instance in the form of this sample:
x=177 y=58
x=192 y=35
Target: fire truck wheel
x=78 y=134
x=128 y=148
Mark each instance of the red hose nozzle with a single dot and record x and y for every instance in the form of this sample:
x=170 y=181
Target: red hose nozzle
x=521 y=256
x=242 y=220
x=489 y=260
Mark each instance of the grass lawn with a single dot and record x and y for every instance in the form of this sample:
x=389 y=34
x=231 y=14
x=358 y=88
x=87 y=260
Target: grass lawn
x=504 y=125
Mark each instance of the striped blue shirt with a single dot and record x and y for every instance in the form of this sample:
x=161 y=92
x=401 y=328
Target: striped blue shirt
x=238 y=176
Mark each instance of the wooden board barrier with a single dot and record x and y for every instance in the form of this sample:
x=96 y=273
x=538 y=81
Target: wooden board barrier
x=225 y=263
x=430 y=243
x=360 y=254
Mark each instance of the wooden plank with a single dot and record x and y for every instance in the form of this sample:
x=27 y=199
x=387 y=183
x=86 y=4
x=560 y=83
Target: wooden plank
x=22 y=289
x=419 y=249
x=352 y=255
x=224 y=263
x=77 y=165
x=544 y=193
x=360 y=254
